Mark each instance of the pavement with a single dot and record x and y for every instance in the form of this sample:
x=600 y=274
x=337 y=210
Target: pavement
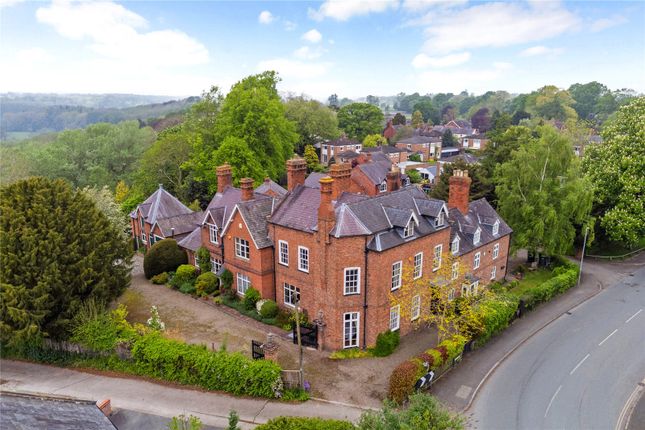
x=458 y=388
x=160 y=400
x=577 y=373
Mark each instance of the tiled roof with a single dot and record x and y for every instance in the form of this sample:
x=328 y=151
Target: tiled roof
x=256 y=214
x=386 y=149
x=342 y=141
x=312 y=181
x=162 y=204
x=476 y=136
x=222 y=204
x=376 y=171
x=269 y=186
x=419 y=139
x=348 y=154
x=181 y=224
x=299 y=209
x=482 y=216
x=193 y=241
x=468 y=158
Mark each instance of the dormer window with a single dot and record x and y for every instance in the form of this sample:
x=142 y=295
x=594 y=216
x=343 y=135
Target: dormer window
x=496 y=228
x=409 y=229
x=383 y=187
x=212 y=233
x=454 y=246
x=439 y=220
x=477 y=236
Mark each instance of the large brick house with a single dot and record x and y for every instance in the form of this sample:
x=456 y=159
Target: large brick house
x=428 y=147
x=330 y=149
x=340 y=254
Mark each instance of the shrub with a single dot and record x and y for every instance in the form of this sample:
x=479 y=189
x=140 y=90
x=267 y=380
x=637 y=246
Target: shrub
x=282 y=318
x=443 y=351
x=403 y=378
x=303 y=317
x=203 y=257
x=295 y=394
x=163 y=256
x=350 y=353
x=171 y=360
x=386 y=343
x=303 y=423
x=269 y=309
x=226 y=280
x=187 y=288
x=160 y=279
x=454 y=346
x=185 y=273
x=206 y=283
x=250 y=298
x=494 y=313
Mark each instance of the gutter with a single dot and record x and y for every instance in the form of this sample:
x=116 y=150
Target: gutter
x=508 y=254
x=365 y=298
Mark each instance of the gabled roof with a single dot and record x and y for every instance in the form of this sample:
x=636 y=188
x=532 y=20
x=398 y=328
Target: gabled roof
x=468 y=158
x=313 y=180
x=192 y=241
x=298 y=210
x=270 y=188
x=181 y=224
x=162 y=204
x=342 y=141
x=482 y=216
x=255 y=214
x=221 y=206
x=376 y=171
x=348 y=154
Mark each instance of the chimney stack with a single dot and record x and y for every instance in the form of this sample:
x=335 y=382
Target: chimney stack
x=224 y=177
x=459 y=190
x=246 y=184
x=394 y=178
x=341 y=174
x=296 y=171
x=326 y=209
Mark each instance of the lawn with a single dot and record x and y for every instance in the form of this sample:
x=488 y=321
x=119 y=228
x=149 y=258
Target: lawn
x=531 y=279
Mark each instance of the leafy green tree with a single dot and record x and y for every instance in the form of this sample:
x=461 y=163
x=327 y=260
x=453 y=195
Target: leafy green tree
x=203 y=257
x=358 y=120
x=332 y=101
x=313 y=163
x=106 y=203
x=403 y=133
x=121 y=192
x=233 y=419
x=399 y=119
x=373 y=140
x=587 y=97
x=417 y=119
x=448 y=139
x=428 y=110
x=243 y=161
x=415 y=176
x=252 y=112
x=314 y=121
x=164 y=163
x=481 y=120
x=57 y=250
x=550 y=102
x=373 y=100
x=200 y=118
x=616 y=168
x=542 y=194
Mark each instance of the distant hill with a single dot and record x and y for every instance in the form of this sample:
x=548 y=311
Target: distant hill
x=25 y=115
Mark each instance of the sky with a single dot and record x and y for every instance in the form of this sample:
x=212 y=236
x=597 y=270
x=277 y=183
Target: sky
x=350 y=48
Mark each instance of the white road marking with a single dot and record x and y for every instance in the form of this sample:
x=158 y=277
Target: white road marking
x=633 y=316
x=579 y=364
x=552 y=399
x=610 y=335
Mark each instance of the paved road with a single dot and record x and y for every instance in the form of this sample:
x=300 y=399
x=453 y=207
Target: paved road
x=577 y=373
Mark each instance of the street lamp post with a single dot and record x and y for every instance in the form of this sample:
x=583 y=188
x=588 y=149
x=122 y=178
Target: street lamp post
x=582 y=257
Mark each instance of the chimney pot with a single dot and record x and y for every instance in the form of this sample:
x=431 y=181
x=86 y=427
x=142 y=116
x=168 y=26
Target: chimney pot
x=296 y=171
x=246 y=184
x=326 y=208
x=224 y=177
x=459 y=191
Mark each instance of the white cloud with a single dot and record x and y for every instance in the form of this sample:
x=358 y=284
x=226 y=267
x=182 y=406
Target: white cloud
x=540 y=50
x=308 y=53
x=33 y=55
x=421 y=5
x=342 y=10
x=421 y=61
x=294 y=68
x=312 y=36
x=604 y=23
x=266 y=17
x=117 y=34
x=496 y=25
x=477 y=80
x=290 y=26
x=9 y=3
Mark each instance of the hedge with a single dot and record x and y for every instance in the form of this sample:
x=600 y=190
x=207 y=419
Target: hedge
x=566 y=277
x=302 y=423
x=188 y=364
x=386 y=343
x=163 y=256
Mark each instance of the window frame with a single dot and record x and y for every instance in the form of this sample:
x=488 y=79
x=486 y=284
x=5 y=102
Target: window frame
x=358 y=281
x=212 y=231
x=493 y=273
x=293 y=290
x=415 y=308
x=144 y=238
x=382 y=188
x=397 y=312
x=436 y=261
x=408 y=231
x=495 y=251
x=477 y=260
x=454 y=245
x=398 y=275
x=440 y=220
x=239 y=246
x=282 y=261
x=496 y=228
x=354 y=321
x=300 y=259
x=477 y=236
x=214 y=263
x=418 y=273
x=246 y=280
x=451 y=294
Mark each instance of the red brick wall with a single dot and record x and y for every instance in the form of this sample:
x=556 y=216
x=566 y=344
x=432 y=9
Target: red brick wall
x=259 y=266
x=136 y=229
x=486 y=261
x=362 y=184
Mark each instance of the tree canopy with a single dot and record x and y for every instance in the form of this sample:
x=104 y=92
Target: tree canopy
x=542 y=194
x=481 y=185
x=358 y=120
x=244 y=162
x=550 y=102
x=373 y=140
x=616 y=168
x=314 y=121
x=399 y=119
x=57 y=250
x=429 y=111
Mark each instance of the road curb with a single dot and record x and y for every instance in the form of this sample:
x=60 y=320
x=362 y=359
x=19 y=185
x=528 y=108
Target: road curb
x=508 y=353
x=626 y=413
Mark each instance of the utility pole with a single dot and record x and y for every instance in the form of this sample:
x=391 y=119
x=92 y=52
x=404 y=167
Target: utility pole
x=300 y=375
x=582 y=257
